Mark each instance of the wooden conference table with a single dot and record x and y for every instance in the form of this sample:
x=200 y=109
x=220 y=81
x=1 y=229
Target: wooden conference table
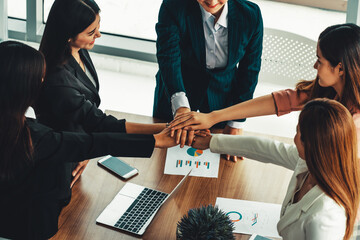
x=246 y=180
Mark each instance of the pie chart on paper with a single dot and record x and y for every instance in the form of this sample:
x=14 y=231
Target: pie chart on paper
x=194 y=152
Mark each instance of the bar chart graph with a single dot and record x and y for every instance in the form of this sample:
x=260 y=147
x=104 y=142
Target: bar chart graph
x=203 y=163
x=197 y=164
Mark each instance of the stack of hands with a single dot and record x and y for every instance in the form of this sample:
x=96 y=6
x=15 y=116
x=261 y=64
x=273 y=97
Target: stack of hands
x=187 y=128
x=192 y=129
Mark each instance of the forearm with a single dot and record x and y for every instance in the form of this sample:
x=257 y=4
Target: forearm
x=259 y=106
x=75 y=147
x=256 y=148
x=141 y=128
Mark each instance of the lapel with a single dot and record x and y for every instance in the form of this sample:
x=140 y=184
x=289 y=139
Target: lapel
x=294 y=213
x=76 y=70
x=196 y=30
x=234 y=33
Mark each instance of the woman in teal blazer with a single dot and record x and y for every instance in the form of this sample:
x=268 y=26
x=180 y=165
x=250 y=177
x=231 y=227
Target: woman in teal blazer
x=182 y=54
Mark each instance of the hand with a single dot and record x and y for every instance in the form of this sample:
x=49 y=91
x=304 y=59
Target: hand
x=164 y=139
x=201 y=142
x=232 y=131
x=192 y=121
x=78 y=171
x=183 y=134
x=186 y=137
x=191 y=136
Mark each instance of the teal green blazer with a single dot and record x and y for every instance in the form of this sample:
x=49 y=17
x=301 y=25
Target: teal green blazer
x=182 y=61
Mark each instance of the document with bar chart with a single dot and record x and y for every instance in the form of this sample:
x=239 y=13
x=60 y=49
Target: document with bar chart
x=203 y=162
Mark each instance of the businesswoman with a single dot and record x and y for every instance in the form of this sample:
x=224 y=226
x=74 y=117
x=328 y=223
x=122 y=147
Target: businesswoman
x=209 y=54
x=323 y=194
x=31 y=153
x=70 y=98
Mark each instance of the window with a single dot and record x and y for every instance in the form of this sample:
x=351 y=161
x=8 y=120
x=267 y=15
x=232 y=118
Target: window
x=17 y=9
x=303 y=20
x=132 y=18
x=129 y=25
x=339 y=5
x=47 y=6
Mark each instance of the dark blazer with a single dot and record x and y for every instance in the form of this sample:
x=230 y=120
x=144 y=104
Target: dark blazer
x=181 y=56
x=69 y=102
x=29 y=204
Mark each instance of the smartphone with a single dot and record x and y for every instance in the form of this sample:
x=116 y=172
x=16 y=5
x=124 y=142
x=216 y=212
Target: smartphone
x=118 y=167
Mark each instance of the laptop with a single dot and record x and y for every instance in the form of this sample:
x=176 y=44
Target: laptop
x=134 y=207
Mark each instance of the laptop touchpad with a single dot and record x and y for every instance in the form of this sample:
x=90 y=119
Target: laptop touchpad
x=120 y=204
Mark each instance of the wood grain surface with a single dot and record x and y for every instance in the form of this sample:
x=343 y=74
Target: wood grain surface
x=246 y=180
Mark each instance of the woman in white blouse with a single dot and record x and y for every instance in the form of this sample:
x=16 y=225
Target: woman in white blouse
x=323 y=195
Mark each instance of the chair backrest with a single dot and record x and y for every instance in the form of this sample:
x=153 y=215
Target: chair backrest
x=287 y=58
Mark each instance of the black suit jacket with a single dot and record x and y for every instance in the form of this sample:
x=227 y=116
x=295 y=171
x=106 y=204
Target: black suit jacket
x=29 y=204
x=181 y=56
x=69 y=102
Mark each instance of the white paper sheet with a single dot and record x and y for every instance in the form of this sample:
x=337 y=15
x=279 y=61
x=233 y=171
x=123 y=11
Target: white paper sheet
x=203 y=162
x=251 y=217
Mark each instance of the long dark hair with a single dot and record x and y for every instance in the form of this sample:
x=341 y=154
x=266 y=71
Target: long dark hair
x=67 y=18
x=22 y=69
x=329 y=135
x=339 y=44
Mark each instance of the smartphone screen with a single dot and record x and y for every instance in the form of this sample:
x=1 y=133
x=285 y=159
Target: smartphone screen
x=118 y=166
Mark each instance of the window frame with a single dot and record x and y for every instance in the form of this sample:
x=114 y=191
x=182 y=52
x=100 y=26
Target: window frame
x=33 y=27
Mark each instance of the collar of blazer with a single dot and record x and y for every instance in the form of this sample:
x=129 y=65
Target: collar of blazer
x=294 y=213
x=237 y=27
x=73 y=66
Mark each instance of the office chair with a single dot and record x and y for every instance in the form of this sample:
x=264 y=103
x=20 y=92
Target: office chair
x=287 y=58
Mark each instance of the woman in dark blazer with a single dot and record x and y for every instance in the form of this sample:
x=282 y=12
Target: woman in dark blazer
x=209 y=54
x=31 y=153
x=70 y=98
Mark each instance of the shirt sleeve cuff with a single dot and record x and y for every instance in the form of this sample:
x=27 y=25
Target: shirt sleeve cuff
x=179 y=100
x=234 y=124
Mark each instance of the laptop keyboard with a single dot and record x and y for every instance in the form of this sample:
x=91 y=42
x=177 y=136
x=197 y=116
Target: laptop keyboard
x=140 y=210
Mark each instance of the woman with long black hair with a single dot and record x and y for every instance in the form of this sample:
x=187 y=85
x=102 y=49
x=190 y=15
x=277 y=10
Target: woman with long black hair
x=31 y=153
x=70 y=97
